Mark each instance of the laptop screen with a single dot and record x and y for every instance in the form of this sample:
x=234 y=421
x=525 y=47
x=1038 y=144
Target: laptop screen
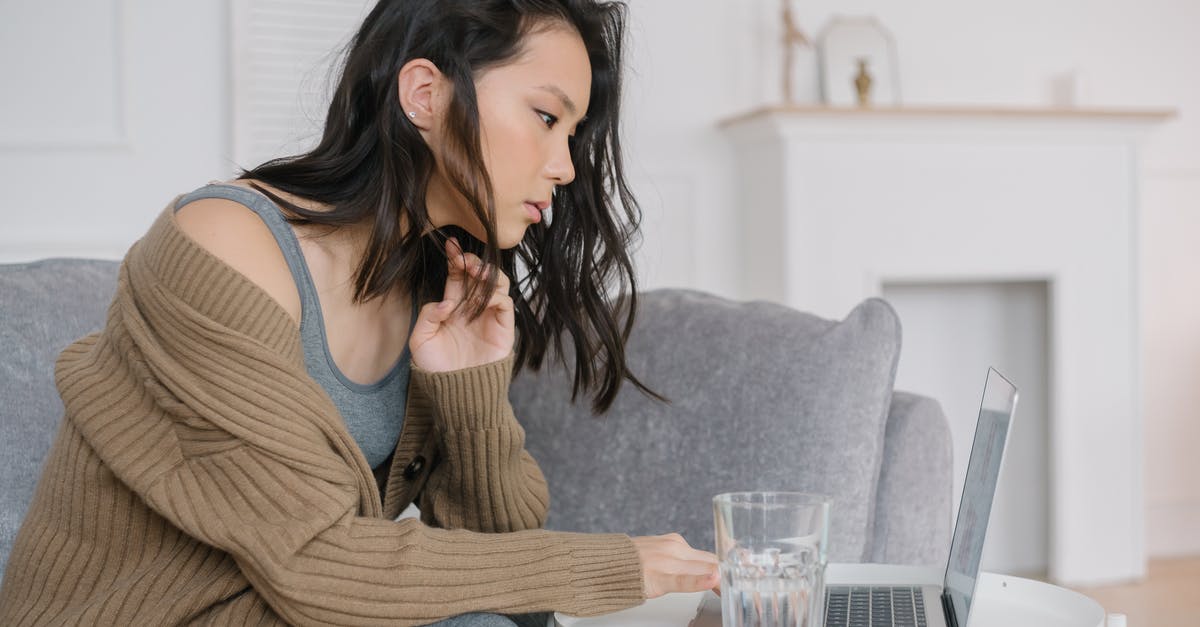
x=991 y=434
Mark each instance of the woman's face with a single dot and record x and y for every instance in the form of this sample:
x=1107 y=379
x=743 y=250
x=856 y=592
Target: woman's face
x=527 y=111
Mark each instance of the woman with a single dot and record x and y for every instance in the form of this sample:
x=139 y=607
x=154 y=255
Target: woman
x=233 y=451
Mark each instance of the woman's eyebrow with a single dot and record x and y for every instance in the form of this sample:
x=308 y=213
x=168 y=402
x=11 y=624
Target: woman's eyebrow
x=566 y=100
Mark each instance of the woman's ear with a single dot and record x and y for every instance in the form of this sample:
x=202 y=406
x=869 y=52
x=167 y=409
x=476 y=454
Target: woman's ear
x=421 y=90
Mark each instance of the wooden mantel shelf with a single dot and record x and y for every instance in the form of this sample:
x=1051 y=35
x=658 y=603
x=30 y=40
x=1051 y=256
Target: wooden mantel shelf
x=1096 y=114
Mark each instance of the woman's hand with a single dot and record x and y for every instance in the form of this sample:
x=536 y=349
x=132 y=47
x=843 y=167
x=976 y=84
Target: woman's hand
x=443 y=339
x=670 y=565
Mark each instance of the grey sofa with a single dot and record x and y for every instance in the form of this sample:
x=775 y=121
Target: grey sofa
x=762 y=397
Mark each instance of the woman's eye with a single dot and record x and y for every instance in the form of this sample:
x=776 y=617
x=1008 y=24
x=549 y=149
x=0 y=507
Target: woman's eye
x=546 y=116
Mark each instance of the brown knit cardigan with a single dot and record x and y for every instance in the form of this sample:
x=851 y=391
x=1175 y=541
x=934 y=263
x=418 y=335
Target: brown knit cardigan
x=200 y=476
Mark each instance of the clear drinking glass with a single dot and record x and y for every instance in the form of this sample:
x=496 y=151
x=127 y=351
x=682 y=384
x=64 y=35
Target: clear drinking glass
x=772 y=549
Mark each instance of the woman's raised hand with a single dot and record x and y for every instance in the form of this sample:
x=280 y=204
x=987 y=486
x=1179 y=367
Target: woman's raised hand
x=443 y=339
x=670 y=565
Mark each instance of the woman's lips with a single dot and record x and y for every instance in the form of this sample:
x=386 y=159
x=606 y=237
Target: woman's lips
x=534 y=214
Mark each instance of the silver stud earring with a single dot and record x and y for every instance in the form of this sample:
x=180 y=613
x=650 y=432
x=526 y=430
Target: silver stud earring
x=412 y=114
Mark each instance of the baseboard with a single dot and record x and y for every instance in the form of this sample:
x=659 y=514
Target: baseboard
x=1171 y=529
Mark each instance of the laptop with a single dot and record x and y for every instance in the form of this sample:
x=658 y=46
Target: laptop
x=948 y=605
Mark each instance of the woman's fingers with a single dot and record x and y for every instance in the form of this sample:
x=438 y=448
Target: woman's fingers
x=684 y=551
x=670 y=565
x=478 y=270
x=501 y=303
x=695 y=583
x=679 y=577
x=460 y=265
x=698 y=567
x=456 y=273
x=433 y=315
x=429 y=321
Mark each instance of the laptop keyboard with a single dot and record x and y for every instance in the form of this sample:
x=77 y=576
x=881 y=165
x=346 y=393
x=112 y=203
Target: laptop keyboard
x=874 y=606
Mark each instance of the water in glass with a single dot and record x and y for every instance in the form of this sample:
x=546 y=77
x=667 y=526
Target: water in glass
x=771 y=587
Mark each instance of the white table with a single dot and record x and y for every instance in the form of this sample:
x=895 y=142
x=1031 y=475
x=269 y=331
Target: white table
x=1000 y=600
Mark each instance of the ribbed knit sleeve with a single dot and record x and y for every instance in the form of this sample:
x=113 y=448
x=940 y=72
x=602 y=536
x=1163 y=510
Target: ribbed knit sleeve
x=206 y=413
x=299 y=543
x=484 y=479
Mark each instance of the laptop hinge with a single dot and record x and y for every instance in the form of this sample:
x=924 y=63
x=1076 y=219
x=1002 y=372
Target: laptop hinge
x=948 y=610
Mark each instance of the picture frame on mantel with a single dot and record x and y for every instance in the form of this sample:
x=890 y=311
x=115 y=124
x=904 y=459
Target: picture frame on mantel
x=858 y=66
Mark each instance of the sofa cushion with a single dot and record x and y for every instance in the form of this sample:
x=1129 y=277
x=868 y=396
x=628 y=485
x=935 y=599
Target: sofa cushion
x=44 y=306
x=912 y=511
x=764 y=397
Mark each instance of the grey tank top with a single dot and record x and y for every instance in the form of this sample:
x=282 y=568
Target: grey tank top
x=373 y=412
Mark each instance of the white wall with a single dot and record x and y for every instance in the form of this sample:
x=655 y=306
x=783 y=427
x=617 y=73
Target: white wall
x=135 y=95
x=86 y=164
x=1171 y=359
x=951 y=52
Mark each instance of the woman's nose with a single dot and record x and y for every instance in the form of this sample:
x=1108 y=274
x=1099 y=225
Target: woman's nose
x=560 y=168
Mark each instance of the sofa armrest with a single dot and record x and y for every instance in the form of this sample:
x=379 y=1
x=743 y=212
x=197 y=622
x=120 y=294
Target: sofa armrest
x=913 y=500
x=44 y=306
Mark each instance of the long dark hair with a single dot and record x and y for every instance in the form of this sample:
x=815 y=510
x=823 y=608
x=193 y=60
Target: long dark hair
x=372 y=167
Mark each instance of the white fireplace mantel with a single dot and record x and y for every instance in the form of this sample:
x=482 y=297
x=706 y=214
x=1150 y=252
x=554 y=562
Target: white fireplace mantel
x=836 y=203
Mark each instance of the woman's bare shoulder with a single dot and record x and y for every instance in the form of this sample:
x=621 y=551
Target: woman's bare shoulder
x=236 y=235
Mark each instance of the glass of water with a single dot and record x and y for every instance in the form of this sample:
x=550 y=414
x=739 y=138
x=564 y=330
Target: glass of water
x=772 y=549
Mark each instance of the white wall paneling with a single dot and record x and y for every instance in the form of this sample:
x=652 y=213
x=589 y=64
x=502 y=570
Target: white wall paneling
x=76 y=95
x=109 y=109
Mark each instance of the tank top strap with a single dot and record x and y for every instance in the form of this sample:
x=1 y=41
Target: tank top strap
x=285 y=237
x=374 y=412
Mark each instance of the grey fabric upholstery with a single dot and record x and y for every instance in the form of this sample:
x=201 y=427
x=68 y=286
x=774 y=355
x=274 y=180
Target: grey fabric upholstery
x=912 y=512
x=763 y=397
x=44 y=306
x=543 y=619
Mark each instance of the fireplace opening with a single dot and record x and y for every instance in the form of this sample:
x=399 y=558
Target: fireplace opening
x=952 y=332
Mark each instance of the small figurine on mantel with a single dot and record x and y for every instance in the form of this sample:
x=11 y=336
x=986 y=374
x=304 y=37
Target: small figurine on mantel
x=862 y=83
x=793 y=37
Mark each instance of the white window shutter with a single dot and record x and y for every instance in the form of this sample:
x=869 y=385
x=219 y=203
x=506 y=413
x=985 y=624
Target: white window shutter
x=285 y=59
